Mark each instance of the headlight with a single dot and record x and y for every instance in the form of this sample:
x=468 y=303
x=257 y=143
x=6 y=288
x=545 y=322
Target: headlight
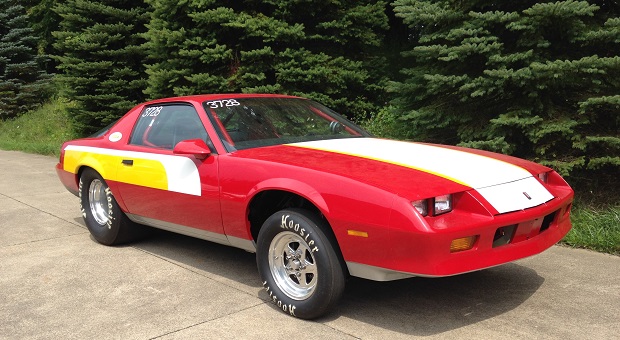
x=441 y=205
x=421 y=206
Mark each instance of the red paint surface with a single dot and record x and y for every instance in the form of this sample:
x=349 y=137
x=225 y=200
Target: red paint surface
x=352 y=193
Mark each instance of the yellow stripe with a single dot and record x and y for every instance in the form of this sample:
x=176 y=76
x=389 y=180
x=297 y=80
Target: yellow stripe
x=472 y=170
x=103 y=164
x=158 y=171
x=501 y=183
x=146 y=173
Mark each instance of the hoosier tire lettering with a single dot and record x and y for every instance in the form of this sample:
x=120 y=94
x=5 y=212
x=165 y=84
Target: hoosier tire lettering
x=299 y=262
x=109 y=198
x=103 y=217
x=285 y=308
x=80 y=196
x=291 y=225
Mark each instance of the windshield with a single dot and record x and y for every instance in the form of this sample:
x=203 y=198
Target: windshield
x=247 y=122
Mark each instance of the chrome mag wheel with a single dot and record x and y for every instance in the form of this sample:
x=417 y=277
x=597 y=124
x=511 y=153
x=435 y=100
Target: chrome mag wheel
x=292 y=265
x=98 y=202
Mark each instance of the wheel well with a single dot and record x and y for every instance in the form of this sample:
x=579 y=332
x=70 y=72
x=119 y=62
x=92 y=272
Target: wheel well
x=266 y=203
x=80 y=172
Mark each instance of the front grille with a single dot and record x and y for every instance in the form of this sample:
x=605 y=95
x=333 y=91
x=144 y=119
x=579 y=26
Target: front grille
x=503 y=235
x=516 y=233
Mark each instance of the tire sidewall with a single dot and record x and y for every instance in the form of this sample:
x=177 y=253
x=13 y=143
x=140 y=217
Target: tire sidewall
x=108 y=232
x=330 y=276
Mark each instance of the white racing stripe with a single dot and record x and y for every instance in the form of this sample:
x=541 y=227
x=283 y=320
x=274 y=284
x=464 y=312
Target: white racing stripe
x=513 y=196
x=469 y=169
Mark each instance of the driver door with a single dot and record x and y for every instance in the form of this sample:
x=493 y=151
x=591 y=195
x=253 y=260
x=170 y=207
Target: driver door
x=169 y=191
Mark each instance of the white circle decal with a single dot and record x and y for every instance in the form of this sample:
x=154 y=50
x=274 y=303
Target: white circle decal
x=115 y=137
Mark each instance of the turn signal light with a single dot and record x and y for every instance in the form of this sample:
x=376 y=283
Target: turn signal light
x=463 y=243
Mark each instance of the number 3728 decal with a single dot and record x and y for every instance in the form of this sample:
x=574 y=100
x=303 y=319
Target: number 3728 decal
x=222 y=103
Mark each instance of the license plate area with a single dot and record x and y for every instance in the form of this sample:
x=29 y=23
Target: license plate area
x=527 y=230
x=523 y=231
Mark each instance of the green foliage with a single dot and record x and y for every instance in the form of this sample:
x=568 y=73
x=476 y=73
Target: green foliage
x=538 y=80
x=320 y=49
x=40 y=131
x=44 y=22
x=23 y=84
x=100 y=59
x=385 y=123
x=596 y=228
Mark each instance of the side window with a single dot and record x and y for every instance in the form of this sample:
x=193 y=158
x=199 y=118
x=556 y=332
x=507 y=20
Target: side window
x=165 y=125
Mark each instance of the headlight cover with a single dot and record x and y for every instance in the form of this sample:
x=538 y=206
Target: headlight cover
x=421 y=206
x=440 y=205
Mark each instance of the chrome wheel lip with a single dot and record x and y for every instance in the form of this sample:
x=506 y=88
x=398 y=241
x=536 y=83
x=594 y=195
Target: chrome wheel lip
x=98 y=202
x=292 y=265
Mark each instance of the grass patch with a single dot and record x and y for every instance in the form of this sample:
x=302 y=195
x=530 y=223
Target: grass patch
x=596 y=228
x=41 y=131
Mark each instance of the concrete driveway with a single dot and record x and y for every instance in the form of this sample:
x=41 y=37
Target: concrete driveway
x=56 y=282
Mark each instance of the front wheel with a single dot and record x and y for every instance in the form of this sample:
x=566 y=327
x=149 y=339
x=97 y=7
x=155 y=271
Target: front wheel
x=298 y=262
x=103 y=217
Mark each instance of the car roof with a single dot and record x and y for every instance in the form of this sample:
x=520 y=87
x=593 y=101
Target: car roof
x=206 y=97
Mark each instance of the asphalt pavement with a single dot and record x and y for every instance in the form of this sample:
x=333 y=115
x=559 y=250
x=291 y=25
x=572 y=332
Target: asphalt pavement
x=56 y=282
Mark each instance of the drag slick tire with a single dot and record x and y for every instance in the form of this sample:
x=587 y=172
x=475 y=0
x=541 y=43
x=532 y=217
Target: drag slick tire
x=103 y=217
x=299 y=263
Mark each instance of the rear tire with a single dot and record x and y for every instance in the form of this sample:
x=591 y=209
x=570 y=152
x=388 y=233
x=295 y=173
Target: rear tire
x=103 y=217
x=298 y=263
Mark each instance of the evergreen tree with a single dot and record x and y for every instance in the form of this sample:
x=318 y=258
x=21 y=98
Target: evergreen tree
x=44 y=22
x=327 y=50
x=23 y=85
x=537 y=79
x=100 y=58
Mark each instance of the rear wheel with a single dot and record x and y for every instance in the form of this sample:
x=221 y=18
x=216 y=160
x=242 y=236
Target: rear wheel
x=298 y=263
x=102 y=215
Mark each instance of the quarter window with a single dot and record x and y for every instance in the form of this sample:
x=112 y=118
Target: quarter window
x=163 y=126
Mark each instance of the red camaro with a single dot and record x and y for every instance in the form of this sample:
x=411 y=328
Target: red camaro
x=316 y=197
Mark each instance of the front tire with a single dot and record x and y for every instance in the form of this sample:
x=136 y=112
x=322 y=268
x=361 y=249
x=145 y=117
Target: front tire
x=298 y=262
x=103 y=217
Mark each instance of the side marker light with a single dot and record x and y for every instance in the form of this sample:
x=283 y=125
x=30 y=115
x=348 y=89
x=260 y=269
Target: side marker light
x=357 y=233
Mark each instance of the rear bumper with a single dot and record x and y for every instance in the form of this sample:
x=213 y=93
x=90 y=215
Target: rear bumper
x=68 y=179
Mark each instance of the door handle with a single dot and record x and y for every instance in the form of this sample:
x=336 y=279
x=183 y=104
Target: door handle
x=128 y=161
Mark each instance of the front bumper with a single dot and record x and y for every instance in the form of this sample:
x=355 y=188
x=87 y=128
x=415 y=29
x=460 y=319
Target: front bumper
x=426 y=251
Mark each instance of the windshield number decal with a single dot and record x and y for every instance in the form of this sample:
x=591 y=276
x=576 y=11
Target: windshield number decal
x=223 y=103
x=152 y=111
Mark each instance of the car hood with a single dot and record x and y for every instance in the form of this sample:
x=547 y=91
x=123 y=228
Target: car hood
x=405 y=167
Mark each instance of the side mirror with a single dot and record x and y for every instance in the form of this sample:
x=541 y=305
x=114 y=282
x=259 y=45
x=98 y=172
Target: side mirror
x=195 y=147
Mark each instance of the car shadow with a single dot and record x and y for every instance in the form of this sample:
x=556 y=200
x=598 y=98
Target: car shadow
x=203 y=257
x=416 y=306
x=430 y=306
